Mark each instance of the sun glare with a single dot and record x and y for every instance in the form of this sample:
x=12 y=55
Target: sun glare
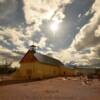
x=54 y=26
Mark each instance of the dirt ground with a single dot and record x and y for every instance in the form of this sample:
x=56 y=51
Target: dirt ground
x=52 y=89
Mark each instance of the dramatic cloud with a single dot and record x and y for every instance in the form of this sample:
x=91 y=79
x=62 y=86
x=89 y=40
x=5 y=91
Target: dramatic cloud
x=42 y=42
x=26 y=22
x=88 y=35
x=85 y=48
x=37 y=10
x=19 y=19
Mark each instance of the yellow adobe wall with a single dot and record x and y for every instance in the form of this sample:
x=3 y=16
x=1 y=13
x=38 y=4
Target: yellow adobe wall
x=64 y=71
x=37 y=71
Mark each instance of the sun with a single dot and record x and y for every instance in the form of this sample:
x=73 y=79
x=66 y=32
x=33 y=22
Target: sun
x=54 y=26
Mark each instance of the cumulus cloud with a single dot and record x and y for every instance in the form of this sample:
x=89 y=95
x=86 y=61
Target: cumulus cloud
x=89 y=35
x=13 y=35
x=97 y=32
x=38 y=10
x=65 y=56
x=6 y=53
x=87 y=38
x=15 y=65
x=19 y=19
x=42 y=42
x=11 y=43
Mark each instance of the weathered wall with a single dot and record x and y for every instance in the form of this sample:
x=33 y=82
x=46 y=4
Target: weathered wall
x=64 y=71
x=37 y=71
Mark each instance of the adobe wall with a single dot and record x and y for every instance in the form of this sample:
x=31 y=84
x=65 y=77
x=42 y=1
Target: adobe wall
x=37 y=71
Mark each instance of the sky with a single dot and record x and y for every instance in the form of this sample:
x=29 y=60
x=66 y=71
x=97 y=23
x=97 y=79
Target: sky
x=27 y=22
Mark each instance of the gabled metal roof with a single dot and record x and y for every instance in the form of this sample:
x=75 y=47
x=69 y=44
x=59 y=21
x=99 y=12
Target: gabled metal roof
x=47 y=60
x=31 y=56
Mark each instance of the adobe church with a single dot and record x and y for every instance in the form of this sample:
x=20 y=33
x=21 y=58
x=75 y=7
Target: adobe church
x=38 y=66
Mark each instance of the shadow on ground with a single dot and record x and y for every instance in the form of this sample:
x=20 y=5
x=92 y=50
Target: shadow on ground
x=10 y=82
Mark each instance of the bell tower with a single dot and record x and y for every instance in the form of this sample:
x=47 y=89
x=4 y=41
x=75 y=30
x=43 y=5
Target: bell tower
x=33 y=48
